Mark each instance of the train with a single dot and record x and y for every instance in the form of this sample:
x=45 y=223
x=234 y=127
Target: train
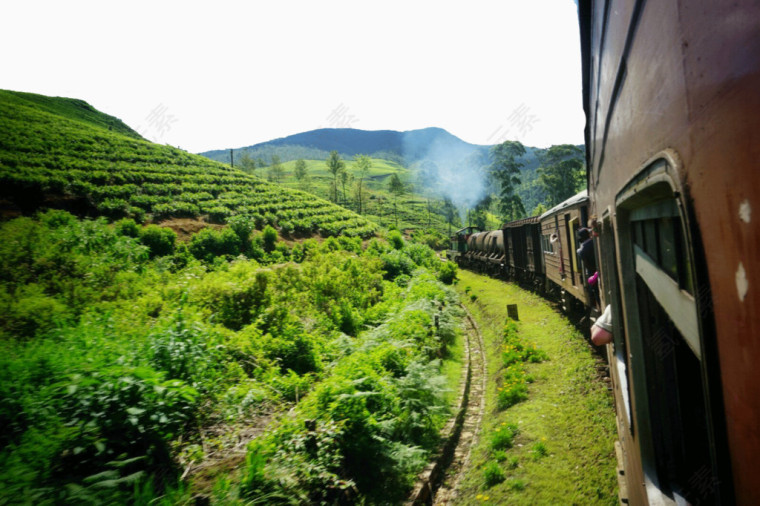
x=539 y=252
x=671 y=95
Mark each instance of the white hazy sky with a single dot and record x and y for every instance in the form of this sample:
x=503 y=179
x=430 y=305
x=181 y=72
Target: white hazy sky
x=203 y=75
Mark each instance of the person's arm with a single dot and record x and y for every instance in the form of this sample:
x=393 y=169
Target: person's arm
x=599 y=336
x=601 y=331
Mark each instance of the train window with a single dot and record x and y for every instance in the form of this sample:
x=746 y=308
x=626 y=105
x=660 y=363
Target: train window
x=546 y=244
x=663 y=337
x=656 y=230
x=668 y=256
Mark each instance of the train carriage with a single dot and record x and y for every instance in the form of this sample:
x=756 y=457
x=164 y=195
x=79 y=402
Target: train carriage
x=672 y=137
x=525 y=257
x=563 y=269
x=495 y=251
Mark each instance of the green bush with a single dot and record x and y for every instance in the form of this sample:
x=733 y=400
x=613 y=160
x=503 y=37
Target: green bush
x=127 y=414
x=435 y=240
x=539 y=450
x=55 y=218
x=209 y=244
x=421 y=255
x=242 y=226
x=493 y=474
x=236 y=297
x=511 y=394
x=160 y=240
x=127 y=227
x=31 y=312
x=396 y=263
x=179 y=351
x=503 y=436
x=292 y=349
x=269 y=238
x=447 y=272
x=396 y=240
x=286 y=227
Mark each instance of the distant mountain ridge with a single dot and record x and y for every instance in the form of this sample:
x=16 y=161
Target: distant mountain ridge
x=409 y=146
x=441 y=162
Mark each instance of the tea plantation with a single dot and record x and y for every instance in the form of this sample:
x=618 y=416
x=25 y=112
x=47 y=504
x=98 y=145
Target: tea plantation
x=62 y=153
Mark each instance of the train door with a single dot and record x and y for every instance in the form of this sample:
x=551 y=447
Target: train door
x=571 y=226
x=674 y=411
x=569 y=240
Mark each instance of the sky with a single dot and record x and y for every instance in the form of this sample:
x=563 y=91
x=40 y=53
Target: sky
x=203 y=76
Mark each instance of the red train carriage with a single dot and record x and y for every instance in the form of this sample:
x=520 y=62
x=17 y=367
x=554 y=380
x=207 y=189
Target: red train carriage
x=559 y=229
x=672 y=101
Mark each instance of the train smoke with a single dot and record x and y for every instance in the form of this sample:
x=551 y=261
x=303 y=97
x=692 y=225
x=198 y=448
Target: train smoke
x=449 y=166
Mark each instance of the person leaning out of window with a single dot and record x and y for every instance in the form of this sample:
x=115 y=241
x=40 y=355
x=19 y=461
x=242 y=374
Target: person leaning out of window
x=601 y=330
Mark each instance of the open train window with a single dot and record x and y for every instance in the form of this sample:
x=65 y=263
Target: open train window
x=672 y=410
x=611 y=288
x=546 y=244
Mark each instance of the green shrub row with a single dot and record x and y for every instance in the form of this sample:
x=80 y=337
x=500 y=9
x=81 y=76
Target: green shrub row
x=115 y=174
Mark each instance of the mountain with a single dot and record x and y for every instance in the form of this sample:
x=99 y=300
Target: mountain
x=63 y=153
x=434 y=144
x=442 y=163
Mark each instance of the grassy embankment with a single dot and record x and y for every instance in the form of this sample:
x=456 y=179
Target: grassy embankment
x=563 y=451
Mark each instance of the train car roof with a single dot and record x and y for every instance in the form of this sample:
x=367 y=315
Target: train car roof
x=524 y=221
x=575 y=199
x=468 y=230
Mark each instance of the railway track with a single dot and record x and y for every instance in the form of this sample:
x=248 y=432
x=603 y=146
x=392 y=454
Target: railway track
x=438 y=483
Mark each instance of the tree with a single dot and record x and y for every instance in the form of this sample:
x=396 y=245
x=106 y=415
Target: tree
x=247 y=163
x=335 y=165
x=362 y=165
x=275 y=170
x=479 y=214
x=346 y=179
x=300 y=172
x=539 y=210
x=449 y=211
x=396 y=188
x=506 y=170
x=562 y=173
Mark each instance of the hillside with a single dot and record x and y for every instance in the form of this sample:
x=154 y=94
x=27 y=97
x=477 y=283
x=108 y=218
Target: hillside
x=415 y=210
x=62 y=153
x=71 y=108
x=441 y=164
x=137 y=369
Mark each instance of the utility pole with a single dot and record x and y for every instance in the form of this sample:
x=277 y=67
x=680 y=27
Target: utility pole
x=232 y=160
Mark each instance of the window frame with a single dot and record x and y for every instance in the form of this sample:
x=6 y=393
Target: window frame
x=641 y=198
